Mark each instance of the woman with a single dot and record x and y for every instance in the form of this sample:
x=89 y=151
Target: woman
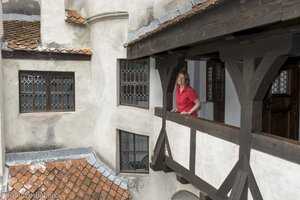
x=187 y=101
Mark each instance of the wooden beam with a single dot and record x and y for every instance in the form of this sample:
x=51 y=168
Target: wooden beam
x=239 y=186
x=253 y=185
x=159 y=152
x=180 y=179
x=193 y=150
x=216 y=129
x=168 y=66
x=204 y=196
x=227 y=184
x=209 y=24
x=40 y=55
x=273 y=145
x=194 y=180
x=252 y=48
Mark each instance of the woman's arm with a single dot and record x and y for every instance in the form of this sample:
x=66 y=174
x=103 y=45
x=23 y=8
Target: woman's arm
x=195 y=107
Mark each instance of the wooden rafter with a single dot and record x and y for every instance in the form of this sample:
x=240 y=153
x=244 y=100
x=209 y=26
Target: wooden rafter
x=209 y=25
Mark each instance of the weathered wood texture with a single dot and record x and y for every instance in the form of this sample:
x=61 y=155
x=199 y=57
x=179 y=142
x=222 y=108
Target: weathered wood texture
x=210 y=24
x=282 y=148
x=36 y=55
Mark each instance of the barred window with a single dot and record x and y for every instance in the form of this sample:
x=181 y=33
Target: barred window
x=281 y=84
x=134 y=153
x=134 y=83
x=215 y=81
x=46 y=91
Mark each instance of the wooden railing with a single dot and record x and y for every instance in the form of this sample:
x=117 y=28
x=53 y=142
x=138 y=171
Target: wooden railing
x=280 y=147
x=197 y=141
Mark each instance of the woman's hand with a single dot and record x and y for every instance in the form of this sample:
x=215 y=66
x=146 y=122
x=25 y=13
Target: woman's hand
x=185 y=113
x=174 y=110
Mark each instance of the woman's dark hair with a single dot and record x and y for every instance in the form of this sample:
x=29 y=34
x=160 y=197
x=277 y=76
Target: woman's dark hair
x=186 y=77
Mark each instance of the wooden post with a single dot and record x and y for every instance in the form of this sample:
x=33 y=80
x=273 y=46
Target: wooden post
x=168 y=66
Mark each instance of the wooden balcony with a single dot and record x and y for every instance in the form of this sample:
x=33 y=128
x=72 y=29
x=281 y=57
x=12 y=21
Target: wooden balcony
x=205 y=153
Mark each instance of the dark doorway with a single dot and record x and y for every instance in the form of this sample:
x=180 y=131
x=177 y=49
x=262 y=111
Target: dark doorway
x=215 y=87
x=280 y=106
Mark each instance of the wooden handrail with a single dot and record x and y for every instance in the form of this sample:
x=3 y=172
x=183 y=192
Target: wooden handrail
x=280 y=147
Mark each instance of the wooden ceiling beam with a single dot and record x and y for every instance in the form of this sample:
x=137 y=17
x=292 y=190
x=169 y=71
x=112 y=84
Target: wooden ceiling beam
x=214 y=23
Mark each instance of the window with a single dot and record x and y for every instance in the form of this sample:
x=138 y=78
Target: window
x=215 y=81
x=215 y=88
x=46 y=91
x=134 y=83
x=134 y=154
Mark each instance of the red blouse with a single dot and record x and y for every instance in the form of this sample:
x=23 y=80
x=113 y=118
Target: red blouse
x=185 y=99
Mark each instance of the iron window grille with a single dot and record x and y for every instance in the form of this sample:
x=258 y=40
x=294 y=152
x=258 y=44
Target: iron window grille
x=134 y=153
x=41 y=91
x=134 y=83
x=215 y=81
x=281 y=84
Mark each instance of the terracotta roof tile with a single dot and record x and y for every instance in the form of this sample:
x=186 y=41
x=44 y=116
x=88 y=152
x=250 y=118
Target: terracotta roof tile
x=75 y=17
x=22 y=34
x=72 y=179
x=25 y=36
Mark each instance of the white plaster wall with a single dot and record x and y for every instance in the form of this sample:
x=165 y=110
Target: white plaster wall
x=214 y=158
x=33 y=131
x=74 y=4
x=178 y=137
x=207 y=108
x=106 y=38
x=277 y=179
x=157 y=185
x=140 y=14
x=2 y=137
x=55 y=32
x=232 y=104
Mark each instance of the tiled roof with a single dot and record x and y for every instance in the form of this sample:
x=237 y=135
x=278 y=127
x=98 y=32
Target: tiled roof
x=195 y=10
x=25 y=35
x=74 y=17
x=22 y=35
x=68 y=51
x=71 y=179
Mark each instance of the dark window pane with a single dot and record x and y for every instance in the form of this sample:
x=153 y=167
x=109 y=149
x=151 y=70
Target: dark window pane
x=134 y=83
x=133 y=152
x=62 y=92
x=46 y=91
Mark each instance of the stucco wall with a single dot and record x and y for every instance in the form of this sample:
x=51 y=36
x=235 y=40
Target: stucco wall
x=2 y=137
x=277 y=179
x=107 y=37
x=140 y=14
x=232 y=104
x=47 y=130
x=55 y=32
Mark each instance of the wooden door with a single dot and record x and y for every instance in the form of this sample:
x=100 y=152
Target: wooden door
x=280 y=106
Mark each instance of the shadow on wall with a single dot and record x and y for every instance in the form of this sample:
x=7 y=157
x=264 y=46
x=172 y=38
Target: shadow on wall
x=32 y=147
x=25 y=7
x=49 y=144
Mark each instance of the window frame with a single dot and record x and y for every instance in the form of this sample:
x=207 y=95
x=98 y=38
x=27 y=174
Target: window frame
x=215 y=82
x=120 y=83
x=136 y=171
x=47 y=74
